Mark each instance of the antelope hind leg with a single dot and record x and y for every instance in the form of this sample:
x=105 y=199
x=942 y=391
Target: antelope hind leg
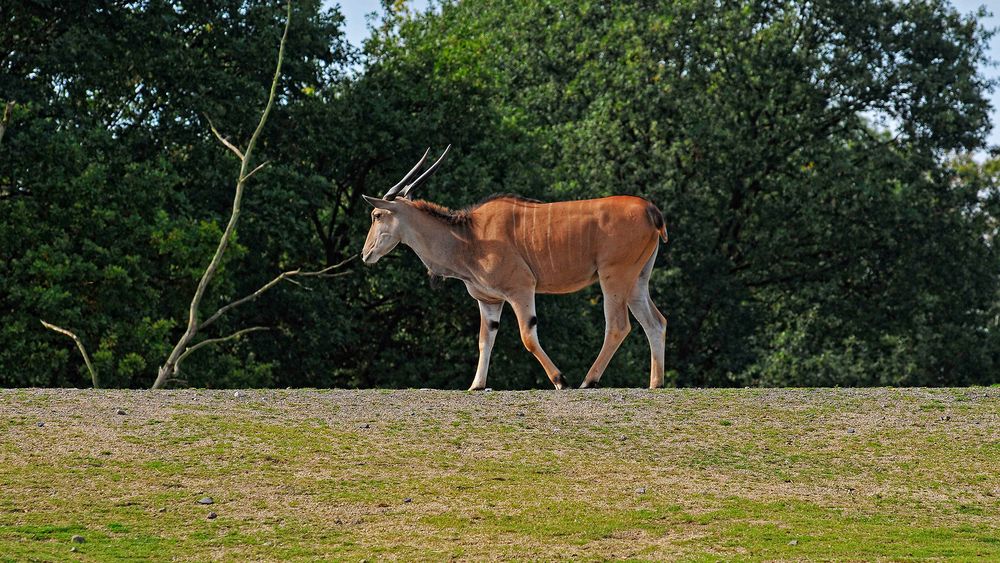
x=616 y=328
x=653 y=323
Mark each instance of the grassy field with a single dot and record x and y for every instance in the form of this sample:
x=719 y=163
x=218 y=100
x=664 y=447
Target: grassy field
x=431 y=475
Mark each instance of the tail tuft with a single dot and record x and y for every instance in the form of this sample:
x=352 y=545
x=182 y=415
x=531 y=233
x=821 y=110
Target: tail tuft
x=657 y=219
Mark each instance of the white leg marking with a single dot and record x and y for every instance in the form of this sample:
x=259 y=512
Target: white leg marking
x=489 y=323
x=653 y=323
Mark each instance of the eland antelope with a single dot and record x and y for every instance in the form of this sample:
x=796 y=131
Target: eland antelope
x=507 y=248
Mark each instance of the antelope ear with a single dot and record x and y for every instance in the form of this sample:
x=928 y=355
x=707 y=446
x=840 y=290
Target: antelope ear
x=376 y=202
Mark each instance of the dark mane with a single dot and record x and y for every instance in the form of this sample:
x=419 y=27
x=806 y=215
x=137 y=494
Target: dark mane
x=442 y=213
x=463 y=217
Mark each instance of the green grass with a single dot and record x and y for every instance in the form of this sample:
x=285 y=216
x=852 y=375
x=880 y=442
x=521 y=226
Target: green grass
x=698 y=475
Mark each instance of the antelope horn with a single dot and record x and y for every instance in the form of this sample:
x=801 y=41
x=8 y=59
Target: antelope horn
x=391 y=194
x=406 y=191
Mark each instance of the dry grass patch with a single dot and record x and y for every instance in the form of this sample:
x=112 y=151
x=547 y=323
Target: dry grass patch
x=430 y=475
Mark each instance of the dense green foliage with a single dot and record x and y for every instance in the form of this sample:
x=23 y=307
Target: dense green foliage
x=823 y=230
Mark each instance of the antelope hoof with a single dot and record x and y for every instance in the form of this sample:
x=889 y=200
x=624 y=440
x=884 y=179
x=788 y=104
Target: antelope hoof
x=560 y=382
x=587 y=384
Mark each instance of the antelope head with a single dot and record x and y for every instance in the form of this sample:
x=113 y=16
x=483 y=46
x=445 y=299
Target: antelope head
x=389 y=218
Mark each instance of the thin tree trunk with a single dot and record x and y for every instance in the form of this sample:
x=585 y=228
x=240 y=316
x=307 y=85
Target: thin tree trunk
x=171 y=366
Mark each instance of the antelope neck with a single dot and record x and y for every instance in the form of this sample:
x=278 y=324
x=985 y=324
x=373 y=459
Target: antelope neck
x=442 y=248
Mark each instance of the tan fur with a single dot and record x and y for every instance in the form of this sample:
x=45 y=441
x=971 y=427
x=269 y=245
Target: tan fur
x=508 y=249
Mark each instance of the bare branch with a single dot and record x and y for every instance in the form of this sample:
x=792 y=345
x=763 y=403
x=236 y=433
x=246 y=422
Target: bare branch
x=5 y=120
x=203 y=343
x=323 y=272
x=79 y=344
x=337 y=275
x=222 y=139
x=222 y=310
x=283 y=276
x=271 y=95
x=254 y=171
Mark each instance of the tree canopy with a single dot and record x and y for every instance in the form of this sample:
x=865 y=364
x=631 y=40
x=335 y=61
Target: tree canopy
x=827 y=224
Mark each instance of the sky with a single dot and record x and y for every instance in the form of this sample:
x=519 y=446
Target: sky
x=356 y=29
x=993 y=51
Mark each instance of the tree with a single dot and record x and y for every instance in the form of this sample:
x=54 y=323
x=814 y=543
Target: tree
x=751 y=125
x=113 y=174
x=821 y=230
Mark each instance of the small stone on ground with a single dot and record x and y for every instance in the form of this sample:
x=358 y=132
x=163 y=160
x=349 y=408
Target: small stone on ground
x=206 y=500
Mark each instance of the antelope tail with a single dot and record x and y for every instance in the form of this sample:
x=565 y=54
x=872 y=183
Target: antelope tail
x=657 y=219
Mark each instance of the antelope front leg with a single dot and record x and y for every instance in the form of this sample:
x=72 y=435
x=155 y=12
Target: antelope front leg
x=489 y=323
x=527 y=322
